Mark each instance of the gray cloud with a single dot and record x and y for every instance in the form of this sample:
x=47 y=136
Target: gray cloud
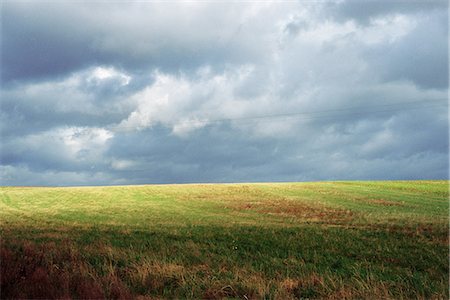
x=418 y=56
x=366 y=11
x=49 y=39
x=142 y=92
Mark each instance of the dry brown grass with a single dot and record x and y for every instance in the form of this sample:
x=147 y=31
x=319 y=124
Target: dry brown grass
x=303 y=212
x=53 y=272
x=156 y=276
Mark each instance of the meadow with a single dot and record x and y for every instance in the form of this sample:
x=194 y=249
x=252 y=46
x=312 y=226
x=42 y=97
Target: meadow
x=333 y=240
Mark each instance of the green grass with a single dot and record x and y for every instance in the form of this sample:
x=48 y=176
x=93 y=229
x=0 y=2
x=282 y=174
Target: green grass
x=386 y=239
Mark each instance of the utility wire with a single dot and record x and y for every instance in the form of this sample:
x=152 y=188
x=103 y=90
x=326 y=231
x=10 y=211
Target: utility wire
x=309 y=114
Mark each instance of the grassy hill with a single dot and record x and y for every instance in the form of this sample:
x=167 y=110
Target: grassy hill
x=274 y=240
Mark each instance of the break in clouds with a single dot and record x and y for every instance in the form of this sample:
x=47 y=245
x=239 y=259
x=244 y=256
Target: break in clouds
x=156 y=92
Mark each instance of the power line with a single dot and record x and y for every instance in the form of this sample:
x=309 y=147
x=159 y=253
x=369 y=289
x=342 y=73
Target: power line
x=311 y=114
x=300 y=114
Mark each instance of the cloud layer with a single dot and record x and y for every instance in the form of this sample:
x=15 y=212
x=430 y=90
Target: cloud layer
x=149 y=92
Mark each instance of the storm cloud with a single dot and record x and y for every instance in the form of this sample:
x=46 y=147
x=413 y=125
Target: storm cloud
x=176 y=92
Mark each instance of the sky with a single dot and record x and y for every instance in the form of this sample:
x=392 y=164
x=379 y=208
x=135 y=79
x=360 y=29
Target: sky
x=137 y=92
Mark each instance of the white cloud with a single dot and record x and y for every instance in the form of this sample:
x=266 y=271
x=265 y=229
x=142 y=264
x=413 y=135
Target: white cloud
x=100 y=74
x=186 y=102
x=77 y=139
x=123 y=164
x=184 y=127
x=71 y=144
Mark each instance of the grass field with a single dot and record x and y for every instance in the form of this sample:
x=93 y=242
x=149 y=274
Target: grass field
x=249 y=241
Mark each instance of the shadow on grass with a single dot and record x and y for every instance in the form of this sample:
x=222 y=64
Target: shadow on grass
x=225 y=262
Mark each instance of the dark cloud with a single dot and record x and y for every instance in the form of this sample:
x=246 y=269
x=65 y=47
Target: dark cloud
x=49 y=39
x=33 y=108
x=420 y=56
x=166 y=92
x=38 y=41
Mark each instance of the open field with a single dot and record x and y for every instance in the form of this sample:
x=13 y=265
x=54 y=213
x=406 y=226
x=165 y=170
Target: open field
x=281 y=240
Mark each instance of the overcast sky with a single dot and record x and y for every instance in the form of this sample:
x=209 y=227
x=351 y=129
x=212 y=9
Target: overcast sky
x=202 y=91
